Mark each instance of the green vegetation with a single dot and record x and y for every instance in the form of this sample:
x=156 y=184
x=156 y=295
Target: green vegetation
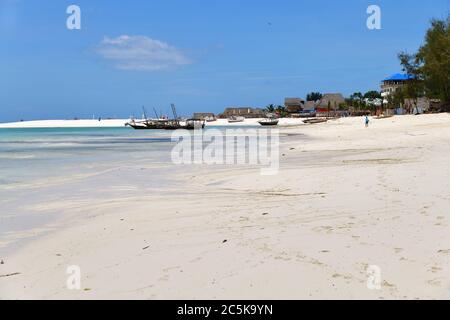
x=371 y=95
x=279 y=110
x=270 y=108
x=314 y=96
x=430 y=65
x=362 y=102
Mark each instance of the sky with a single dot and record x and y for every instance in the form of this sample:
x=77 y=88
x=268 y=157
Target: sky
x=202 y=55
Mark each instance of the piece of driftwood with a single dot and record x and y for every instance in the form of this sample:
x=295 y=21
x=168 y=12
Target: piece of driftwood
x=9 y=274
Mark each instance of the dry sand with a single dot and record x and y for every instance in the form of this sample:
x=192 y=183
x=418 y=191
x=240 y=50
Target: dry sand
x=345 y=199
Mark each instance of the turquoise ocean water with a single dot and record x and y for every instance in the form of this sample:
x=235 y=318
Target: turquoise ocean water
x=42 y=166
x=45 y=173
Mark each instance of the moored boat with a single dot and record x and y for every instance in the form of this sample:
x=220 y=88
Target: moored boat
x=192 y=124
x=268 y=122
x=166 y=124
x=210 y=119
x=189 y=124
x=235 y=119
x=136 y=125
x=315 y=120
x=143 y=124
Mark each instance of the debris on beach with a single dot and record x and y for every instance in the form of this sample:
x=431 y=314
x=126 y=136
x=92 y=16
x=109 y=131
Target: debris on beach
x=2 y=262
x=9 y=274
x=145 y=247
x=224 y=241
x=265 y=213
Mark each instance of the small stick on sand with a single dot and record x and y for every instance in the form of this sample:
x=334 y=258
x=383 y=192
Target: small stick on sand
x=9 y=274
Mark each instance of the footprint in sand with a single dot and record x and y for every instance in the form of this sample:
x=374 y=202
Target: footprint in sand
x=164 y=278
x=434 y=282
x=387 y=284
x=346 y=277
x=435 y=269
x=326 y=229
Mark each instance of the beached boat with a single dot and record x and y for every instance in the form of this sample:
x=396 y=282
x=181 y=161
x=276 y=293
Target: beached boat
x=314 y=121
x=143 y=124
x=234 y=119
x=384 y=116
x=148 y=124
x=165 y=124
x=210 y=119
x=268 y=122
x=191 y=124
x=136 y=125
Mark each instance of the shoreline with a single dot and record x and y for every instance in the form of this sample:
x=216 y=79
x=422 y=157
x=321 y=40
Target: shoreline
x=119 y=123
x=343 y=200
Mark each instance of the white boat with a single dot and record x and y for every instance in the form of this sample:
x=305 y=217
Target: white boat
x=210 y=119
x=234 y=119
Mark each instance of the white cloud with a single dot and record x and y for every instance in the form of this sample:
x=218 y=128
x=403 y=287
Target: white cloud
x=141 y=53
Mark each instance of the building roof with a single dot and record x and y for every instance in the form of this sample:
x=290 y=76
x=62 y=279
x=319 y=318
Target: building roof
x=310 y=105
x=294 y=101
x=332 y=99
x=399 y=77
x=203 y=114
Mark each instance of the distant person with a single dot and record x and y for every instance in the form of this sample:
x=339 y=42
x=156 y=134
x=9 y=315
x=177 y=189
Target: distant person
x=367 y=121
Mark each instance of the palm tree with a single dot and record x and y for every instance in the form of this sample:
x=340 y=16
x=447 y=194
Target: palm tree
x=270 y=108
x=281 y=111
x=356 y=100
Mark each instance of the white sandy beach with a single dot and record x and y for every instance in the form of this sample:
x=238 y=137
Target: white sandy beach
x=346 y=198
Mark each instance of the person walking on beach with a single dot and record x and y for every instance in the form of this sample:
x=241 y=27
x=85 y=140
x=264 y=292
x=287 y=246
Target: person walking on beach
x=367 y=121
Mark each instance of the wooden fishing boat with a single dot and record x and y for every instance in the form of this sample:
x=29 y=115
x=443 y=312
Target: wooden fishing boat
x=167 y=124
x=210 y=119
x=136 y=125
x=139 y=125
x=384 y=116
x=314 y=121
x=234 y=119
x=268 y=122
x=191 y=124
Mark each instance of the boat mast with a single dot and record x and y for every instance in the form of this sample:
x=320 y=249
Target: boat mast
x=174 y=111
x=145 y=113
x=156 y=114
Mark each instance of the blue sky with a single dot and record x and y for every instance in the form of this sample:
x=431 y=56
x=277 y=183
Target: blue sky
x=200 y=55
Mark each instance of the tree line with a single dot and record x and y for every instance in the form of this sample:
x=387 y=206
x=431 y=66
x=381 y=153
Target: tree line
x=429 y=66
x=429 y=69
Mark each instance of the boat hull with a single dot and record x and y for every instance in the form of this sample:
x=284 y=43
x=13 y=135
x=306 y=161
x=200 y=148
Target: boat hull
x=168 y=125
x=267 y=123
x=235 y=119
